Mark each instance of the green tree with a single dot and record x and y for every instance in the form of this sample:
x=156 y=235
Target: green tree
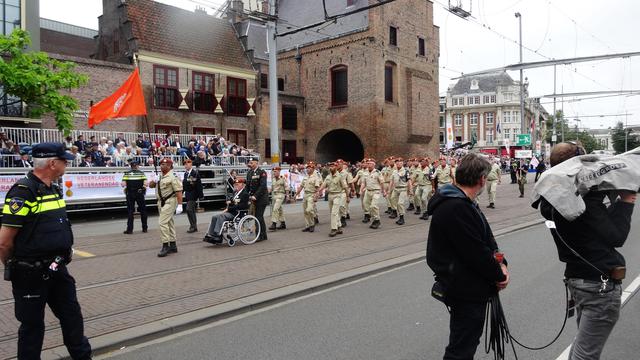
x=38 y=80
x=618 y=135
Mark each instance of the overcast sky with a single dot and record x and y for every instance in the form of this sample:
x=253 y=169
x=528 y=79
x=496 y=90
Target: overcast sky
x=554 y=28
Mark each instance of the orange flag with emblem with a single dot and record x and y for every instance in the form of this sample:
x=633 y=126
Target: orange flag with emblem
x=128 y=100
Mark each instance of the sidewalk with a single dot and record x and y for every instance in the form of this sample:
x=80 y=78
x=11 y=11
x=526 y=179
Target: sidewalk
x=127 y=292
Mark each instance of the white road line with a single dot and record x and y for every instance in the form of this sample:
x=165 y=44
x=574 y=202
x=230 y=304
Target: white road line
x=626 y=294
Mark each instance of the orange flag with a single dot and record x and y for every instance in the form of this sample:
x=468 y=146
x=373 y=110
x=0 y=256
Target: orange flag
x=128 y=100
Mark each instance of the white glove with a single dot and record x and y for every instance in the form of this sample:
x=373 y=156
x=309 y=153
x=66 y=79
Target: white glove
x=179 y=209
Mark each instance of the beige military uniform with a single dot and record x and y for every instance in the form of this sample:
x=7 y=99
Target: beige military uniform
x=387 y=173
x=371 y=198
x=278 y=192
x=344 y=205
x=393 y=201
x=443 y=175
x=336 y=185
x=359 y=179
x=412 y=173
x=400 y=180
x=310 y=185
x=492 y=182
x=424 y=189
x=167 y=187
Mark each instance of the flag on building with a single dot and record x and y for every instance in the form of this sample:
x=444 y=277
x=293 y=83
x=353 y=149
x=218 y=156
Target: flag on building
x=498 y=130
x=128 y=100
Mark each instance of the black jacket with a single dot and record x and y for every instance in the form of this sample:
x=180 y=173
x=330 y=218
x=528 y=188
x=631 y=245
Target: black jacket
x=240 y=201
x=461 y=246
x=192 y=189
x=594 y=235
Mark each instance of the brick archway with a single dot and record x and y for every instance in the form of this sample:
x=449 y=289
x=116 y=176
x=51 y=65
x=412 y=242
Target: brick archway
x=339 y=144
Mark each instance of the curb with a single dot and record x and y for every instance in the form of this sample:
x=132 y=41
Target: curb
x=106 y=343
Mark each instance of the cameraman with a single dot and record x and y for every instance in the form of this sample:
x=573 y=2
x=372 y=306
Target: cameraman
x=461 y=252
x=595 y=284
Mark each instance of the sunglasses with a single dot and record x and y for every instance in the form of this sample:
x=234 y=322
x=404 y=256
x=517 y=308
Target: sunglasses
x=579 y=149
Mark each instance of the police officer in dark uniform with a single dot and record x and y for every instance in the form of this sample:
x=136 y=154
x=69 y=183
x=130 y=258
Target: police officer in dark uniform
x=258 y=194
x=192 y=185
x=35 y=246
x=134 y=182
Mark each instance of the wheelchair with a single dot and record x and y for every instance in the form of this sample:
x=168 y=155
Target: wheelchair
x=243 y=227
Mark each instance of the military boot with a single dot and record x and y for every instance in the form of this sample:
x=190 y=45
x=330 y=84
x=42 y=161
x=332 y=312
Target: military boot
x=411 y=207
x=312 y=228
x=172 y=247
x=164 y=251
x=424 y=216
x=400 y=220
x=375 y=224
x=348 y=216
x=394 y=214
x=273 y=227
x=343 y=221
x=418 y=211
x=491 y=206
x=316 y=221
x=367 y=218
x=333 y=232
x=282 y=226
x=388 y=211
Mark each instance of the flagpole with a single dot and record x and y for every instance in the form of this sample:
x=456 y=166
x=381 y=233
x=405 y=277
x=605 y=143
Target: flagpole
x=146 y=121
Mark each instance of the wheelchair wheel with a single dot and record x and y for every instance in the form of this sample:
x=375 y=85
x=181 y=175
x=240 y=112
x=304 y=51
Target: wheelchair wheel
x=248 y=229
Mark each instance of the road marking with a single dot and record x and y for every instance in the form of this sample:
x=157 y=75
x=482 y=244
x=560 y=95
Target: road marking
x=626 y=295
x=82 y=253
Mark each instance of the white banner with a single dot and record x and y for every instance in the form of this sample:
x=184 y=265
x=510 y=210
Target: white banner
x=449 y=134
x=523 y=154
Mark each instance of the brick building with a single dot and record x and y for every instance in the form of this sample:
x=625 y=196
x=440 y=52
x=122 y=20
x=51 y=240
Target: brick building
x=195 y=74
x=366 y=85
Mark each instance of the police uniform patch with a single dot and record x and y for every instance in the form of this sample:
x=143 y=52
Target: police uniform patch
x=15 y=205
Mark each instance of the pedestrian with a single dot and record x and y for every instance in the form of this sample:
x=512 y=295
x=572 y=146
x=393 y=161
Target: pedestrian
x=238 y=202
x=399 y=188
x=230 y=190
x=514 y=169
x=169 y=194
x=374 y=184
x=134 y=182
x=279 y=195
x=258 y=195
x=192 y=186
x=493 y=180
x=36 y=246
x=594 y=269
x=460 y=251
x=343 y=169
x=336 y=185
x=310 y=185
x=521 y=176
x=540 y=169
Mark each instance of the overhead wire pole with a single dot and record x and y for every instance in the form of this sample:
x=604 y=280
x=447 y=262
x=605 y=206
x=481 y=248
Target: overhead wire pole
x=274 y=122
x=522 y=115
x=554 y=136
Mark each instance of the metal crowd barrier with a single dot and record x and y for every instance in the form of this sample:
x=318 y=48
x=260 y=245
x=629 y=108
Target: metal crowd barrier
x=13 y=160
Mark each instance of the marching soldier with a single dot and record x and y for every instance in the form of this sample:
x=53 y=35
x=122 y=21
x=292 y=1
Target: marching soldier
x=358 y=179
x=493 y=180
x=412 y=169
x=134 y=182
x=169 y=193
x=192 y=185
x=423 y=182
x=258 y=195
x=398 y=188
x=387 y=173
x=35 y=247
x=336 y=185
x=278 y=196
x=443 y=174
x=374 y=184
x=310 y=184
x=454 y=167
x=343 y=169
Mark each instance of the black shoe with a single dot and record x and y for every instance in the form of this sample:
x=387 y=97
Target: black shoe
x=164 y=251
x=273 y=227
x=312 y=229
x=375 y=224
x=388 y=211
x=282 y=226
x=190 y=231
x=491 y=206
x=172 y=247
x=339 y=230
x=367 y=218
x=424 y=216
x=521 y=196
x=400 y=220
x=343 y=221
x=212 y=239
x=316 y=220
x=411 y=207
x=348 y=216
x=305 y=229
x=127 y=232
x=418 y=211
x=333 y=233
x=394 y=214
x=144 y=230
x=262 y=238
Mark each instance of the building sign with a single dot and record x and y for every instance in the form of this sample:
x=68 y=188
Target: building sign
x=524 y=140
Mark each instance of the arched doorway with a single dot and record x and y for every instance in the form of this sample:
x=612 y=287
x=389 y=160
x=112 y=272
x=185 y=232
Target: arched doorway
x=339 y=144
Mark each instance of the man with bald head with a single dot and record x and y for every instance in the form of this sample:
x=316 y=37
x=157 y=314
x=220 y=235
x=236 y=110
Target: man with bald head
x=594 y=268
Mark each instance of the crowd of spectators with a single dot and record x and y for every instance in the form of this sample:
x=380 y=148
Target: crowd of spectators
x=104 y=152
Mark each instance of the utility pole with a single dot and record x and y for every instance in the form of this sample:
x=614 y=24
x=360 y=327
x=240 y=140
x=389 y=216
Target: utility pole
x=522 y=117
x=274 y=122
x=554 y=136
x=626 y=130
x=562 y=123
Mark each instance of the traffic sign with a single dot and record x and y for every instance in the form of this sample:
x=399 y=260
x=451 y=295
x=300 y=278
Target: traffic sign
x=524 y=140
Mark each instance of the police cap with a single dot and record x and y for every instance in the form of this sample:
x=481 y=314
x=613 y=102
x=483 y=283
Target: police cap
x=51 y=150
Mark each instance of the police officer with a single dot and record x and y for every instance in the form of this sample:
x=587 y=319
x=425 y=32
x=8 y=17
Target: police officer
x=278 y=196
x=169 y=194
x=135 y=187
x=257 y=184
x=399 y=188
x=35 y=246
x=310 y=185
x=192 y=186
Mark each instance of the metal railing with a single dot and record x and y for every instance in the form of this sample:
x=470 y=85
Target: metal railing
x=14 y=160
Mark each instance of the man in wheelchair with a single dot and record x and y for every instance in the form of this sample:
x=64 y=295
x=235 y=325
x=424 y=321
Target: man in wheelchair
x=238 y=202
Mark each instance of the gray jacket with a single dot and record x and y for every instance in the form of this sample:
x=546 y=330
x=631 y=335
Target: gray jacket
x=564 y=184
